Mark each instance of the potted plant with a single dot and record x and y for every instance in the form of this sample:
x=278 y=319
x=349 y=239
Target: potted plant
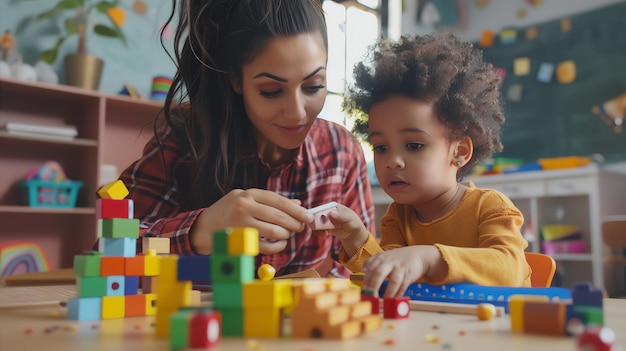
x=83 y=69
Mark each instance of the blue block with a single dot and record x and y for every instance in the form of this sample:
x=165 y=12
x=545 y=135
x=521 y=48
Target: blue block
x=116 y=285
x=585 y=294
x=131 y=285
x=84 y=308
x=545 y=72
x=194 y=268
x=126 y=247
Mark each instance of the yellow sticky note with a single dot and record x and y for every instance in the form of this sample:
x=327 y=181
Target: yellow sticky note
x=566 y=72
x=521 y=66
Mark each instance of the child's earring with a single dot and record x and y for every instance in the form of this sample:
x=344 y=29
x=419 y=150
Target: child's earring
x=458 y=163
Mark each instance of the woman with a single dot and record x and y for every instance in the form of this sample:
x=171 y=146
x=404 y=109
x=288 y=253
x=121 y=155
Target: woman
x=245 y=146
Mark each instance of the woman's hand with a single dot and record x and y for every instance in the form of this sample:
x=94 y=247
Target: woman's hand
x=275 y=216
x=401 y=267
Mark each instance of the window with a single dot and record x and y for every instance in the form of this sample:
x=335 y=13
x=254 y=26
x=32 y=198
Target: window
x=352 y=27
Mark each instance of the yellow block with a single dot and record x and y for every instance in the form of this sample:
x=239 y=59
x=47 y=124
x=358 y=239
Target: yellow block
x=151 y=264
x=171 y=292
x=112 y=307
x=243 y=241
x=115 y=190
x=516 y=309
x=151 y=304
x=273 y=293
x=262 y=322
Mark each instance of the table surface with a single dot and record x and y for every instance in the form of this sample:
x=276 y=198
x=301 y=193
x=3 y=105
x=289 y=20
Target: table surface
x=46 y=328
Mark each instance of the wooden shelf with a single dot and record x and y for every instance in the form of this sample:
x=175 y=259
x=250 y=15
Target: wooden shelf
x=35 y=210
x=49 y=140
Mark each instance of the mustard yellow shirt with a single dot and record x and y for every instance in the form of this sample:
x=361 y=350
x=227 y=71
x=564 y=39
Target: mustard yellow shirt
x=480 y=239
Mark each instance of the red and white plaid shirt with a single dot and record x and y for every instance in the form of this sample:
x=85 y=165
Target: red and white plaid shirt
x=329 y=166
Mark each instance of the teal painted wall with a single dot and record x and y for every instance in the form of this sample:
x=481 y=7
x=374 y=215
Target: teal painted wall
x=136 y=63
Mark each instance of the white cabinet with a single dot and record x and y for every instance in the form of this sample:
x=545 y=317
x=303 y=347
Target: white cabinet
x=579 y=196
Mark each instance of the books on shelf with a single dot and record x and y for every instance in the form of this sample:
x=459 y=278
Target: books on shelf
x=61 y=132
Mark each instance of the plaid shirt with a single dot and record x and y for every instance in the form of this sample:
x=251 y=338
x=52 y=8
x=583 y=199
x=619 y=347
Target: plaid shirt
x=329 y=166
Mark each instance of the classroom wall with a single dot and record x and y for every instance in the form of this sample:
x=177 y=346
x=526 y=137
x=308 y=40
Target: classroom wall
x=500 y=14
x=136 y=63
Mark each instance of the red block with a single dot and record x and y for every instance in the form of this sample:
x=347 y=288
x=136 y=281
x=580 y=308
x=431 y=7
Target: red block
x=375 y=302
x=110 y=208
x=134 y=305
x=205 y=329
x=396 y=307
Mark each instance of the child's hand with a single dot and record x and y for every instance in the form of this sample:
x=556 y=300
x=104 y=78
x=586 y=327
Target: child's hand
x=401 y=267
x=348 y=227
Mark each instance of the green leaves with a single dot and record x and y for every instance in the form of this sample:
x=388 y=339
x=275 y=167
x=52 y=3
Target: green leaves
x=49 y=56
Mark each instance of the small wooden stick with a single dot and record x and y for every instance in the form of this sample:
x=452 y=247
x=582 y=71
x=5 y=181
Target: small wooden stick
x=448 y=307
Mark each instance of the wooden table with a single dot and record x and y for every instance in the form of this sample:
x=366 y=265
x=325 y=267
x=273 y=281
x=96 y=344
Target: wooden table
x=46 y=329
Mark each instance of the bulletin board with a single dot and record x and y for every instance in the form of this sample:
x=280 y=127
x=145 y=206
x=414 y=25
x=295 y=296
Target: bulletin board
x=551 y=119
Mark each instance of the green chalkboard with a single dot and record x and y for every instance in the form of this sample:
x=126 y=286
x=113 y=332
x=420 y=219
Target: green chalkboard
x=553 y=119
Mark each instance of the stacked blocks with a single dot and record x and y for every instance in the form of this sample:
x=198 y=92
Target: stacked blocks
x=108 y=280
x=538 y=315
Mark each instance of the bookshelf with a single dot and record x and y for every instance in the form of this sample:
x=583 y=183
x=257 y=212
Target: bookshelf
x=112 y=130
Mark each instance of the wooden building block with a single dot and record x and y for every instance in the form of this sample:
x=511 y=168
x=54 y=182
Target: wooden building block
x=123 y=247
x=150 y=304
x=396 y=307
x=149 y=284
x=84 y=308
x=162 y=320
x=179 y=329
x=115 y=285
x=516 y=309
x=195 y=298
x=87 y=265
x=566 y=72
x=152 y=263
x=273 y=293
x=231 y=269
x=374 y=302
x=109 y=208
x=227 y=295
x=232 y=321
x=171 y=292
x=135 y=305
x=91 y=286
x=113 y=307
x=134 y=266
x=160 y=245
x=321 y=219
x=262 y=322
x=194 y=268
x=205 y=328
x=115 y=190
x=521 y=66
x=486 y=38
x=112 y=265
x=243 y=241
x=544 y=317
x=118 y=228
x=131 y=285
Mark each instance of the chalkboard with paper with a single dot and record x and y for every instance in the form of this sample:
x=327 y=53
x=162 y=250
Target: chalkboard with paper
x=553 y=119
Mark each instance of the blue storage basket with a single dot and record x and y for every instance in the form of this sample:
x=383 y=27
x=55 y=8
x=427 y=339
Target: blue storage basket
x=50 y=194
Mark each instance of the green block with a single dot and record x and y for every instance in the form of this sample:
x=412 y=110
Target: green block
x=87 y=265
x=179 y=333
x=91 y=286
x=118 y=228
x=591 y=315
x=220 y=241
x=232 y=321
x=231 y=269
x=227 y=295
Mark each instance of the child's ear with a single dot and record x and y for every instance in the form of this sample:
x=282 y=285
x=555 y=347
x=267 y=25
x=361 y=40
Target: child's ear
x=463 y=150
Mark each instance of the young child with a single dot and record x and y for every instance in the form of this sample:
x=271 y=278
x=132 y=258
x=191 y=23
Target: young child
x=431 y=110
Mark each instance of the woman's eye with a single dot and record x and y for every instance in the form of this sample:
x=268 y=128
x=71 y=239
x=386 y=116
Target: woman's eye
x=414 y=146
x=270 y=94
x=379 y=148
x=314 y=88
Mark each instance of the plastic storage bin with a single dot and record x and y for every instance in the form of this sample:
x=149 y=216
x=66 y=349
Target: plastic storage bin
x=50 y=194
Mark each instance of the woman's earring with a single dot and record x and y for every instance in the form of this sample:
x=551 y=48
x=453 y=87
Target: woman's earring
x=458 y=163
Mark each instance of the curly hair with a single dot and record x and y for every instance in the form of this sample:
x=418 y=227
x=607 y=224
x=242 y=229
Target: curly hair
x=439 y=69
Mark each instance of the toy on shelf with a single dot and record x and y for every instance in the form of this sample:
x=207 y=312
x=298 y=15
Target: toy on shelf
x=47 y=186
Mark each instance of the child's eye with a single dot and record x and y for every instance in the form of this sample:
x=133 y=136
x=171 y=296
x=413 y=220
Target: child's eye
x=270 y=94
x=414 y=146
x=379 y=148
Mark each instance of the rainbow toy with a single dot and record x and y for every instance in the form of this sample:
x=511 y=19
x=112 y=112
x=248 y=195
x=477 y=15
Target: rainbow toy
x=22 y=257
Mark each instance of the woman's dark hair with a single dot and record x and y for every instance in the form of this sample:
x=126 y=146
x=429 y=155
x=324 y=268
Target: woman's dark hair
x=439 y=69
x=212 y=41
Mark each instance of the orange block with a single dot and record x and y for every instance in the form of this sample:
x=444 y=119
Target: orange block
x=112 y=265
x=566 y=72
x=134 y=266
x=486 y=39
x=135 y=305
